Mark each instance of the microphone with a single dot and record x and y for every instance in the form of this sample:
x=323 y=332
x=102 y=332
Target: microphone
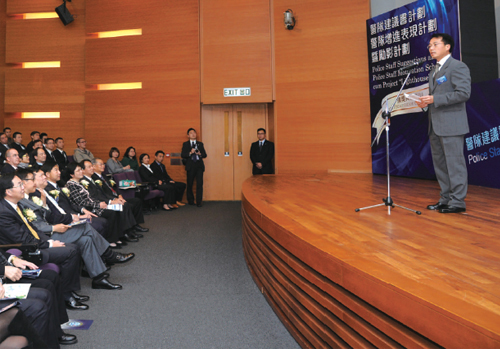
x=411 y=66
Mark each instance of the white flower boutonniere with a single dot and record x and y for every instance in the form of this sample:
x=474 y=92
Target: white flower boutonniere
x=29 y=214
x=37 y=200
x=98 y=182
x=84 y=183
x=54 y=193
x=112 y=182
x=66 y=191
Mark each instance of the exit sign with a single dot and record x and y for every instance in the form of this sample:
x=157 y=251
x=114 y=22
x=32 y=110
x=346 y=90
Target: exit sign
x=237 y=92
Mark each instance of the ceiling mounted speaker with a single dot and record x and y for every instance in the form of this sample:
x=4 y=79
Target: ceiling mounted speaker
x=64 y=14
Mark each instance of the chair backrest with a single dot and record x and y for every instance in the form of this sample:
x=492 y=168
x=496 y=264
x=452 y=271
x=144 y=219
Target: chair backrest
x=70 y=158
x=126 y=193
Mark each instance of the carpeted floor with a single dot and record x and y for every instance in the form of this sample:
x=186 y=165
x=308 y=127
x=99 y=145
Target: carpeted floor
x=188 y=287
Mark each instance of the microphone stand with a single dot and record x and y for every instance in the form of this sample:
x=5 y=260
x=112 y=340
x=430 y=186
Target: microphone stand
x=387 y=123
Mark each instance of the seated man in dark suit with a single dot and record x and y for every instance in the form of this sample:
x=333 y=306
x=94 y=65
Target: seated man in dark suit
x=17 y=139
x=38 y=156
x=12 y=161
x=35 y=136
x=193 y=153
x=45 y=303
x=107 y=188
x=50 y=146
x=161 y=174
x=4 y=146
x=261 y=154
x=59 y=154
x=8 y=133
x=15 y=228
x=93 y=247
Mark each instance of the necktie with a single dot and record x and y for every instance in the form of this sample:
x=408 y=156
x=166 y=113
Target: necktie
x=33 y=232
x=260 y=145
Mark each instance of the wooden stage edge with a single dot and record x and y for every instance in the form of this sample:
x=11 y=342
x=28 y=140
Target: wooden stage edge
x=344 y=279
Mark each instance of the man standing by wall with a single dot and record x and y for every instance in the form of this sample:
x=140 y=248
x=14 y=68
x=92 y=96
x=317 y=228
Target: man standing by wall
x=193 y=153
x=449 y=89
x=261 y=154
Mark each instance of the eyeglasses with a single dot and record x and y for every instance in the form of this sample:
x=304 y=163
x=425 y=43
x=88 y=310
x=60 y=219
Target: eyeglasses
x=434 y=44
x=20 y=185
x=29 y=179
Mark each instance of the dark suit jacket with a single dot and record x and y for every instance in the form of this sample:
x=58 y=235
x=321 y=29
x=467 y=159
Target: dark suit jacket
x=106 y=187
x=147 y=176
x=50 y=156
x=186 y=149
x=54 y=216
x=264 y=156
x=61 y=160
x=7 y=168
x=21 y=149
x=13 y=230
x=96 y=191
x=3 y=150
x=160 y=172
x=64 y=201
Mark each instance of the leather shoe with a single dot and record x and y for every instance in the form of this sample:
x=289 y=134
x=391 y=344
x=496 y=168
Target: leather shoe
x=436 y=206
x=121 y=258
x=79 y=297
x=67 y=338
x=104 y=284
x=129 y=238
x=141 y=229
x=451 y=209
x=138 y=235
x=73 y=304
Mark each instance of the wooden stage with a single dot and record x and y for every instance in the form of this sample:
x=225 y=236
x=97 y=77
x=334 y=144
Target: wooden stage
x=340 y=278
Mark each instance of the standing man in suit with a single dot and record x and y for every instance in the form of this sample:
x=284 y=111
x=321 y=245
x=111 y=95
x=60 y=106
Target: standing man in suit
x=193 y=153
x=449 y=89
x=59 y=154
x=261 y=154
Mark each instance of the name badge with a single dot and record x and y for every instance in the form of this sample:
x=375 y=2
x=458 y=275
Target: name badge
x=441 y=80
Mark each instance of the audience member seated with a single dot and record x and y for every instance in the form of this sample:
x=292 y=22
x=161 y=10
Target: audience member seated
x=50 y=147
x=38 y=157
x=148 y=176
x=35 y=136
x=8 y=133
x=43 y=137
x=160 y=172
x=81 y=152
x=15 y=329
x=21 y=149
x=108 y=193
x=130 y=159
x=60 y=155
x=93 y=247
x=45 y=302
x=114 y=165
x=4 y=146
x=80 y=196
x=12 y=161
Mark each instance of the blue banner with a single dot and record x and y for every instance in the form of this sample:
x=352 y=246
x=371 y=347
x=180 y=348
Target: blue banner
x=397 y=39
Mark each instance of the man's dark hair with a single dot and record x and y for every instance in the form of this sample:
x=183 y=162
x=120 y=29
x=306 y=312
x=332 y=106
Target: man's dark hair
x=37 y=150
x=142 y=157
x=22 y=173
x=37 y=141
x=48 y=166
x=48 y=139
x=113 y=149
x=446 y=38
x=159 y=152
x=7 y=128
x=6 y=183
x=34 y=133
x=190 y=129
x=43 y=134
x=82 y=163
x=261 y=129
x=16 y=134
x=78 y=140
x=57 y=139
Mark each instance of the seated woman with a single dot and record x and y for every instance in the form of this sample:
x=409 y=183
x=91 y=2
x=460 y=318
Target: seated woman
x=147 y=176
x=130 y=159
x=114 y=165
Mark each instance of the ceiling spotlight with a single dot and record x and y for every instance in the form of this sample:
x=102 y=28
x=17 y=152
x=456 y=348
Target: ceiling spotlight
x=289 y=19
x=64 y=14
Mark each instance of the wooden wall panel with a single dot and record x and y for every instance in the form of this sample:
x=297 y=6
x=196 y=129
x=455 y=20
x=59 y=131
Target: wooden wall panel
x=322 y=104
x=48 y=89
x=3 y=68
x=165 y=58
x=236 y=50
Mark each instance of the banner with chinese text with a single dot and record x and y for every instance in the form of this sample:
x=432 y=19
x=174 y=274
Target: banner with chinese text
x=397 y=39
